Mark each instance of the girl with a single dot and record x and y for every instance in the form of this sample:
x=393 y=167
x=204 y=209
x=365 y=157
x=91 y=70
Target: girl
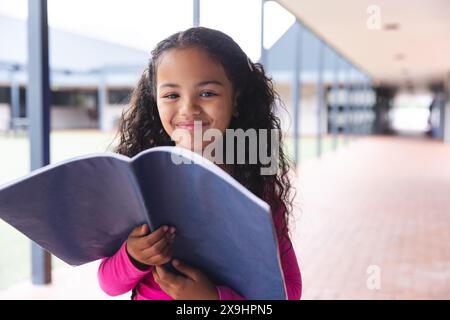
x=199 y=75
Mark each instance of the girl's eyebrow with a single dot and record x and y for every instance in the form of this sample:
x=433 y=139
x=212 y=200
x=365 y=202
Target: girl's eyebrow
x=203 y=83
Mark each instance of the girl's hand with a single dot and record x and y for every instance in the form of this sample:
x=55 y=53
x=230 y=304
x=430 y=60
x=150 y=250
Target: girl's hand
x=152 y=249
x=194 y=285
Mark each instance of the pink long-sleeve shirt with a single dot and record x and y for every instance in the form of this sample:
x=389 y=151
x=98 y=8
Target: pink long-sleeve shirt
x=118 y=275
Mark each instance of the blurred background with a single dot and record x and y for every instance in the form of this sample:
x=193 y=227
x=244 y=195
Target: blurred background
x=366 y=92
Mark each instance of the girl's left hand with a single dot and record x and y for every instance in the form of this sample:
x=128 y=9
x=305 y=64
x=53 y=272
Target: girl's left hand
x=193 y=286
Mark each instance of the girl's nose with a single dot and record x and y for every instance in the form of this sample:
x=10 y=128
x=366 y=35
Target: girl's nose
x=190 y=107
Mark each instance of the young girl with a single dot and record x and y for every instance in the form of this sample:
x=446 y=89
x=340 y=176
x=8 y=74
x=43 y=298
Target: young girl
x=199 y=75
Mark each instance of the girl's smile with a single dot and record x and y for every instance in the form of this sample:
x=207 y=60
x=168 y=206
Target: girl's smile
x=190 y=124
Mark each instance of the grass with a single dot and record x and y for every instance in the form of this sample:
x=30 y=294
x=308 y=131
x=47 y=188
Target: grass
x=15 y=257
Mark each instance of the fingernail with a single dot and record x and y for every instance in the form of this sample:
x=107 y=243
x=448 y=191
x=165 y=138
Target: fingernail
x=165 y=228
x=176 y=262
x=172 y=230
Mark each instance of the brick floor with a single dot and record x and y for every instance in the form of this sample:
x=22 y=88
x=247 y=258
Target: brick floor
x=379 y=201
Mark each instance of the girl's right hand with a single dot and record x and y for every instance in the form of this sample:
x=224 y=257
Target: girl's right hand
x=150 y=249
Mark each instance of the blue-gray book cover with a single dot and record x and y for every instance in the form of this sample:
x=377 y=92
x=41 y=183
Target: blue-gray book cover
x=84 y=208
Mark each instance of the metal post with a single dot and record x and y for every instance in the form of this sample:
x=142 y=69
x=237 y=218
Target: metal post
x=15 y=97
x=102 y=101
x=447 y=112
x=335 y=105
x=347 y=108
x=320 y=98
x=196 y=17
x=263 y=59
x=366 y=107
x=372 y=104
x=356 y=110
x=38 y=101
x=441 y=106
x=350 y=105
x=296 y=93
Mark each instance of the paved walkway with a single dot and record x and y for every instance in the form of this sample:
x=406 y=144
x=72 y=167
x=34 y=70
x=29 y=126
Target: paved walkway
x=376 y=214
x=68 y=283
x=379 y=205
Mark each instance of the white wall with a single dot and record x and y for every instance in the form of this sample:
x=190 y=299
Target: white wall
x=447 y=123
x=70 y=117
x=61 y=118
x=5 y=115
x=111 y=116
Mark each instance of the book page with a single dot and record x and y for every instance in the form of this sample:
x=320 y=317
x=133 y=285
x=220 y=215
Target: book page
x=222 y=228
x=80 y=210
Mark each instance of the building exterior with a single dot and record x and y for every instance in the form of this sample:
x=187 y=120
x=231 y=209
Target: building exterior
x=90 y=79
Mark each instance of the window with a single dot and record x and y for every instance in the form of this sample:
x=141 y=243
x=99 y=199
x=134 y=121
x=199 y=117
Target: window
x=75 y=98
x=119 y=96
x=5 y=95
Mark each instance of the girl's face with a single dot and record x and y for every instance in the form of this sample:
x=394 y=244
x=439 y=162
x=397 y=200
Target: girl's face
x=190 y=86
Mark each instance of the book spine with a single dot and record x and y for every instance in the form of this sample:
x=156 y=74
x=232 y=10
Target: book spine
x=137 y=188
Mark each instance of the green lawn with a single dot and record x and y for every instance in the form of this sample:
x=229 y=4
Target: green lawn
x=14 y=163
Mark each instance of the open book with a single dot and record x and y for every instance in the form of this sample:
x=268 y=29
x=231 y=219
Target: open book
x=84 y=208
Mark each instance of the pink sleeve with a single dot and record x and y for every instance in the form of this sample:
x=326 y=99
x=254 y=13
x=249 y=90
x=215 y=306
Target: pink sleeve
x=289 y=264
x=117 y=274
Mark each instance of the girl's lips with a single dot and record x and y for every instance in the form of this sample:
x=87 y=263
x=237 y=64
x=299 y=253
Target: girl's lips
x=190 y=125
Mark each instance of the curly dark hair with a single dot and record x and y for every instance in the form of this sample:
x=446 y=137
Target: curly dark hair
x=140 y=126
